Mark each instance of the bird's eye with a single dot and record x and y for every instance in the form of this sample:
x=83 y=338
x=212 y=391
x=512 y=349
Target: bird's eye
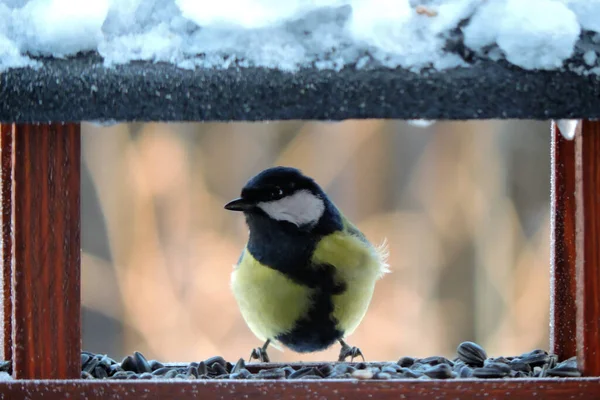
x=277 y=192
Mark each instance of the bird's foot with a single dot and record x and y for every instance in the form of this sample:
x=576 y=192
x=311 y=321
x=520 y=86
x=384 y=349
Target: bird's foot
x=260 y=353
x=349 y=351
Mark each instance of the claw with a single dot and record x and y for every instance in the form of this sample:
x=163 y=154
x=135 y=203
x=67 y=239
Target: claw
x=349 y=351
x=260 y=353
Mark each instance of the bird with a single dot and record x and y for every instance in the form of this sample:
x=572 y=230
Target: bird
x=306 y=276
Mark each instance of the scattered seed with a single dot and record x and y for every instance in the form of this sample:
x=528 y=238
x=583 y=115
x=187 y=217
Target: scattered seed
x=216 y=359
x=171 y=374
x=141 y=363
x=471 y=353
x=362 y=374
x=219 y=369
x=518 y=365
x=100 y=373
x=406 y=361
x=435 y=360
x=86 y=375
x=154 y=365
x=276 y=373
x=465 y=372
x=564 y=371
x=128 y=364
x=202 y=368
x=535 y=358
x=489 y=373
x=120 y=375
x=325 y=370
x=91 y=365
x=439 y=371
x=240 y=364
x=302 y=372
x=537 y=363
x=161 y=371
x=192 y=371
x=382 y=375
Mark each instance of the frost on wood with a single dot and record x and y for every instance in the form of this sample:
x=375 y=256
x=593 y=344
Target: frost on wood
x=288 y=35
x=568 y=127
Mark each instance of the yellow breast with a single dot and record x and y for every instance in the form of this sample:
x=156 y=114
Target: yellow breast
x=359 y=265
x=270 y=303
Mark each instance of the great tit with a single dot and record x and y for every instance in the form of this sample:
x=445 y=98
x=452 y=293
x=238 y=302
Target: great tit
x=307 y=274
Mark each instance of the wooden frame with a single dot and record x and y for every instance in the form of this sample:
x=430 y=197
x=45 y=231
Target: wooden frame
x=40 y=167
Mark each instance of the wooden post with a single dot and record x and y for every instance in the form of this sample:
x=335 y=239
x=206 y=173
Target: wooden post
x=43 y=233
x=562 y=247
x=587 y=216
x=6 y=178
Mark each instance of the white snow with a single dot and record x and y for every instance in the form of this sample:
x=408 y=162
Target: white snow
x=568 y=127
x=291 y=34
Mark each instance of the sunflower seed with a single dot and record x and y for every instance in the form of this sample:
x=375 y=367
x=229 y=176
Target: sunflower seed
x=192 y=371
x=362 y=374
x=202 y=368
x=240 y=375
x=128 y=364
x=289 y=371
x=91 y=365
x=535 y=358
x=161 y=371
x=120 y=375
x=146 y=375
x=465 y=372
x=219 y=369
x=409 y=373
x=488 y=373
x=303 y=372
x=325 y=370
x=471 y=353
x=154 y=365
x=498 y=366
x=84 y=358
x=564 y=371
x=276 y=373
x=382 y=375
x=439 y=371
x=141 y=363
x=100 y=373
x=518 y=365
x=240 y=364
x=215 y=360
x=171 y=374
x=86 y=375
x=435 y=360
x=6 y=366
x=406 y=361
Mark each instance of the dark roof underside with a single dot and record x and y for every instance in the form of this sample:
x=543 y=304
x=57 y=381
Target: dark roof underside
x=82 y=89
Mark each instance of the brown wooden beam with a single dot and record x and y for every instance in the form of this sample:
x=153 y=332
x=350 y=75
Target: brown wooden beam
x=46 y=333
x=547 y=389
x=587 y=195
x=562 y=247
x=6 y=179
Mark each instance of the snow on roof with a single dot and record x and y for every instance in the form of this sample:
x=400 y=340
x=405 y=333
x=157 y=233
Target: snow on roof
x=291 y=34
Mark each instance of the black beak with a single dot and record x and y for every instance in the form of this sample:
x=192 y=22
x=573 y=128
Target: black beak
x=239 y=204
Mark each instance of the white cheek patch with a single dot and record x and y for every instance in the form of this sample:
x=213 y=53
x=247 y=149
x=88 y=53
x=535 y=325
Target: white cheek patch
x=301 y=208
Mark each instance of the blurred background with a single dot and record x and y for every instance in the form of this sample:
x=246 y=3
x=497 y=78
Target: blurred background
x=464 y=207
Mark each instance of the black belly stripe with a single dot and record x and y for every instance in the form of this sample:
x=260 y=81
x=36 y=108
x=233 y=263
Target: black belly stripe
x=318 y=330
x=289 y=251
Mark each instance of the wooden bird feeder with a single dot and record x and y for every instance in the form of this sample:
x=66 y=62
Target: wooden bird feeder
x=40 y=197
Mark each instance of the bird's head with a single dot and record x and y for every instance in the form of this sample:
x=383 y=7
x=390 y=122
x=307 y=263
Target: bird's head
x=284 y=195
